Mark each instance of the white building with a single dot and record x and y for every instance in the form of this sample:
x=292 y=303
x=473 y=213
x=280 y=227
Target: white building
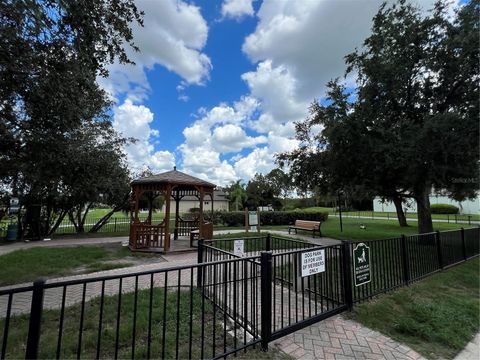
x=220 y=203
x=465 y=207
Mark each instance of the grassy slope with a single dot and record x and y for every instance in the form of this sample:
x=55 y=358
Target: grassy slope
x=437 y=316
x=27 y=265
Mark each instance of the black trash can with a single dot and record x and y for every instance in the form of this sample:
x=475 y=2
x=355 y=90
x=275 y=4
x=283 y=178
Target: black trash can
x=12 y=232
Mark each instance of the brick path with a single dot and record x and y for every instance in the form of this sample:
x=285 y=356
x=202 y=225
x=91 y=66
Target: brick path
x=52 y=299
x=338 y=338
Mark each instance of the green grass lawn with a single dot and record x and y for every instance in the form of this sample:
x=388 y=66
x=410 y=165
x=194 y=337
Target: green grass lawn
x=173 y=331
x=27 y=265
x=375 y=229
x=393 y=215
x=437 y=316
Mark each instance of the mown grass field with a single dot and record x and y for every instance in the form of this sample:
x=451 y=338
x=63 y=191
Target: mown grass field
x=393 y=215
x=437 y=316
x=375 y=229
x=27 y=265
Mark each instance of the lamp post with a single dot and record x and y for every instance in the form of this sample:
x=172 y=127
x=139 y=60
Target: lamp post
x=339 y=193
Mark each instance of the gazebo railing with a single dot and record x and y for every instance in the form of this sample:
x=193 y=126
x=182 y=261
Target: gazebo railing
x=186 y=226
x=147 y=236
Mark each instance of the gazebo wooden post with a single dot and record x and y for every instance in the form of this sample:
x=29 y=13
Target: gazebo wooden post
x=211 y=196
x=168 y=195
x=177 y=205
x=200 y=217
x=150 y=206
x=136 y=205
x=133 y=219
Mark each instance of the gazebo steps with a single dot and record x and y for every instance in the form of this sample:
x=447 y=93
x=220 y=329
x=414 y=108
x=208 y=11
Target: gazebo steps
x=176 y=246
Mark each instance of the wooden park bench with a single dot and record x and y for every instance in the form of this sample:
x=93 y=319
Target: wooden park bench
x=306 y=225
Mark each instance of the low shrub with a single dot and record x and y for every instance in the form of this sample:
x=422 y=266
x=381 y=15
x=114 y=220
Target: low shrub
x=237 y=218
x=231 y=218
x=443 y=209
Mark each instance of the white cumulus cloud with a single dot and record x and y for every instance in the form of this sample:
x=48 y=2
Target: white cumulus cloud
x=237 y=9
x=232 y=138
x=134 y=121
x=173 y=36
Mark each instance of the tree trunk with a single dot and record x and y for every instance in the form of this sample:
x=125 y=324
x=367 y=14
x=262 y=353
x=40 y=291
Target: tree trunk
x=84 y=217
x=80 y=227
x=57 y=223
x=402 y=220
x=104 y=219
x=424 y=214
x=72 y=220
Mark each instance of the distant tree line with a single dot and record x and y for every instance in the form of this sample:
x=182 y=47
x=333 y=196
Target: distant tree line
x=261 y=190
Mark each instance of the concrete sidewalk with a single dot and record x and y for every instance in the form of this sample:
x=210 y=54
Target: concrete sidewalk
x=471 y=351
x=7 y=248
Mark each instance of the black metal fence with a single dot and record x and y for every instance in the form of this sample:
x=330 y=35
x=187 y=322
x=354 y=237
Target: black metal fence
x=165 y=313
x=254 y=245
x=399 y=261
x=113 y=225
x=226 y=303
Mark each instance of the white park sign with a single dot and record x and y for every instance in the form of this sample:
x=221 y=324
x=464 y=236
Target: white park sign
x=238 y=247
x=313 y=262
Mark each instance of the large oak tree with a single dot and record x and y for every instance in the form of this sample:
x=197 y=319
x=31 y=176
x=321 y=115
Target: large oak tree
x=411 y=124
x=58 y=148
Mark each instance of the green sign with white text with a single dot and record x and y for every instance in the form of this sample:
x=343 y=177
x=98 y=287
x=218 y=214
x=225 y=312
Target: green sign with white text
x=361 y=261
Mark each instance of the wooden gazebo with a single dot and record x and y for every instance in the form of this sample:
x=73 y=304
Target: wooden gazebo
x=172 y=185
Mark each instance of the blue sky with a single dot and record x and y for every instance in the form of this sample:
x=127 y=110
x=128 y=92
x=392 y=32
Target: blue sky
x=218 y=85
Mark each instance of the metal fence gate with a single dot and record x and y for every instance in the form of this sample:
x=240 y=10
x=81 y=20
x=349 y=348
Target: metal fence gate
x=280 y=299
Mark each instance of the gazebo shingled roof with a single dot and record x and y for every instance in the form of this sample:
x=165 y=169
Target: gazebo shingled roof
x=173 y=177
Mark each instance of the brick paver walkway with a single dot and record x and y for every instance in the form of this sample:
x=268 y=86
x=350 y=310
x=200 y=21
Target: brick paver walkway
x=338 y=338
x=52 y=299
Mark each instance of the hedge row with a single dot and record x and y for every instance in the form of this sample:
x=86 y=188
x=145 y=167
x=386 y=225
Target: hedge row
x=443 y=209
x=237 y=218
